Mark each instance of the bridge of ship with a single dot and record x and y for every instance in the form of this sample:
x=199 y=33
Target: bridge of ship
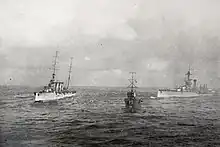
x=54 y=86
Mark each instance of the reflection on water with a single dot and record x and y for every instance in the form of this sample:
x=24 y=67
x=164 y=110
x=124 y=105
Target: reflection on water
x=96 y=118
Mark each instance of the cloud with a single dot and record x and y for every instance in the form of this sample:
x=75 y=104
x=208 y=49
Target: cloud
x=117 y=71
x=153 y=38
x=112 y=77
x=87 y=58
x=155 y=64
x=40 y=23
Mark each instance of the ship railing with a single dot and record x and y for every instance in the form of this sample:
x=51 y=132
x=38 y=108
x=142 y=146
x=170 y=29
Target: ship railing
x=172 y=90
x=165 y=89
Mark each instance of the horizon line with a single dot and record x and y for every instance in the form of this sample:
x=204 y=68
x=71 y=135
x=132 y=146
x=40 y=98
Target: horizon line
x=2 y=85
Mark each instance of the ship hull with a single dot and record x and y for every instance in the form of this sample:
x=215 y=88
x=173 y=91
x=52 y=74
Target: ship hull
x=207 y=94
x=167 y=94
x=134 y=107
x=52 y=96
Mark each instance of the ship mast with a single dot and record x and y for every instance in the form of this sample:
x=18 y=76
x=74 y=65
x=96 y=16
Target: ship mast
x=54 y=67
x=188 y=74
x=132 y=81
x=70 y=70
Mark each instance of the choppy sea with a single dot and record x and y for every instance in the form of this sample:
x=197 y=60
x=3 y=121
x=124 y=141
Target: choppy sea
x=95 y=118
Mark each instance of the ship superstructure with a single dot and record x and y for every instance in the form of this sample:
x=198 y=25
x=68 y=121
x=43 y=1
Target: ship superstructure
x=55 y=89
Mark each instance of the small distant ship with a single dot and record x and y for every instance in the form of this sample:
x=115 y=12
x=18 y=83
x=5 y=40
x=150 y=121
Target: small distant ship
x=132 y=103
x=189 y=89
x=55 y=90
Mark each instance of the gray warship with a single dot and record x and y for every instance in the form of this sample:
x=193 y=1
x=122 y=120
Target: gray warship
x=132 y=103
x=189 y=89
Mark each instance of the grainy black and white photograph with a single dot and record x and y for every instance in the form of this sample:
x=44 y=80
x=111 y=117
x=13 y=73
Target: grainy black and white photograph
x=109 y=73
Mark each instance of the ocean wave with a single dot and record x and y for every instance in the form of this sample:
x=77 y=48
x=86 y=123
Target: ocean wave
x=96 y=118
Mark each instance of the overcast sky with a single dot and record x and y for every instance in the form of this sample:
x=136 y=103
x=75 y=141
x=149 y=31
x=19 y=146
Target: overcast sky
x=109 y=38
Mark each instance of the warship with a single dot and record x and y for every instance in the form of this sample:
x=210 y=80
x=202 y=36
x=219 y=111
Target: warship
x=55 y=89
x=189 y=89
x=132 y=103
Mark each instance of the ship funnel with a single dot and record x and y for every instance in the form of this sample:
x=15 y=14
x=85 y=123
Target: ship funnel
x=194 y=83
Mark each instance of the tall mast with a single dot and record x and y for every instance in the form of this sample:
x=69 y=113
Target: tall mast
x=70 y=70
x=132 y=81
x=54 y=67
x=188 y=74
